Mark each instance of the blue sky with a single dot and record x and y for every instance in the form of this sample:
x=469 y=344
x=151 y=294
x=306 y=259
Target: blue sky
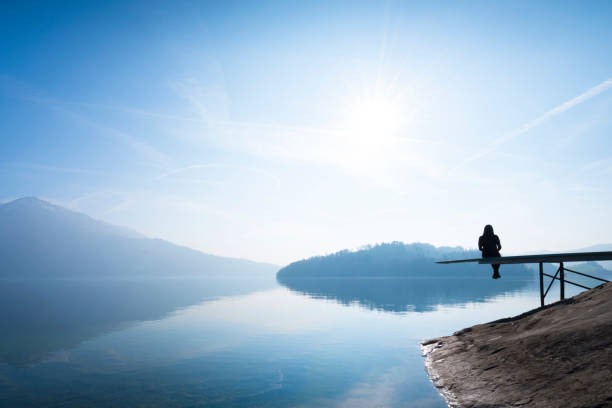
x=281 y=130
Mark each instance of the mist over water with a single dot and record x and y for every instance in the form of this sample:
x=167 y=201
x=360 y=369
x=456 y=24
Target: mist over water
x=234 y=342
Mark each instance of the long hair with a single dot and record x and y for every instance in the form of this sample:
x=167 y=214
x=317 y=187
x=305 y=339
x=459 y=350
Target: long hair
x=488 y=231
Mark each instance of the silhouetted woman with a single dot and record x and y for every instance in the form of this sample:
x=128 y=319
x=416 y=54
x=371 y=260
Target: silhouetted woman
x=489 y=244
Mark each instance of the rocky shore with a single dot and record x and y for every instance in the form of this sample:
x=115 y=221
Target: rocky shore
x=556 y=356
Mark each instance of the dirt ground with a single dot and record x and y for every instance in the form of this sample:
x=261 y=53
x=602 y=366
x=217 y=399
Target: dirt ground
x=556 y=356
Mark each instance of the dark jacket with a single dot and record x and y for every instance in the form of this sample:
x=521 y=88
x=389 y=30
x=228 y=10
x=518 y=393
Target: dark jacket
x=489 y=245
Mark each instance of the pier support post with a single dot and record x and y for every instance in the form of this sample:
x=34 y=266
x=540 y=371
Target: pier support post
x=541 y=285
x=562 y=280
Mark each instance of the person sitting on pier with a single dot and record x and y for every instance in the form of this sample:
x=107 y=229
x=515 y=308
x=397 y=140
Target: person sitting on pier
x=489 y=244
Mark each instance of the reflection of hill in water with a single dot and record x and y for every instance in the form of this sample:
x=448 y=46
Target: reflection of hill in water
x=394 y=294
x=41 y=316
x=398 y=277
x=42 y=240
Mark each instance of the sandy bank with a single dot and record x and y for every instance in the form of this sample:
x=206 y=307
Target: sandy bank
x=556 y=356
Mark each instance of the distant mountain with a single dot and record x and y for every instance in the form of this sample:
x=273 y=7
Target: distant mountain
x=599 y=248
x=601 y=269
x=39 y=239
x=590 y=268
x=595 y=248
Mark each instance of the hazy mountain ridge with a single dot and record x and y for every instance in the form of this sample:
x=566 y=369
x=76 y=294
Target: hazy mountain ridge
x=389 y=259
x=400 y=277
x=599 y=248
x=415 y=259
x=30 y=211
x=39 y=239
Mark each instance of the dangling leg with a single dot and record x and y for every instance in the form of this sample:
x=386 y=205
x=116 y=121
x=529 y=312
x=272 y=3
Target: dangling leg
x=496 y=274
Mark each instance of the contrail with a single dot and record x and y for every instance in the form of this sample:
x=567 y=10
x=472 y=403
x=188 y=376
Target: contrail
x=506 y=137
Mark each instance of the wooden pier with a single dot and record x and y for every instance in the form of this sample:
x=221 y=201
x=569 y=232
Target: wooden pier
x=561 y=259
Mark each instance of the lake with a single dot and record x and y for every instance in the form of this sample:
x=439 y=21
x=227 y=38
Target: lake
x=236 y=342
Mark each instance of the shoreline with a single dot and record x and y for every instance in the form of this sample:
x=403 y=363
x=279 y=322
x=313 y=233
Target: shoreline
x=559 y=355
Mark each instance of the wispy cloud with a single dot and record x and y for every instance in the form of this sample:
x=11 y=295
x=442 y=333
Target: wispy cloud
x=602 y=165
x=137 y=111
x=154 y=157
x=513 y=134
x=26 y=92
x=94 y=196
x=55 y=169
x=254 y=170
x=210 y=100
x=367 y=155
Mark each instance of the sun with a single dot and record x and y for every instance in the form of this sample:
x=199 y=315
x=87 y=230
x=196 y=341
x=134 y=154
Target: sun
x=371 y=127
x=374 y=116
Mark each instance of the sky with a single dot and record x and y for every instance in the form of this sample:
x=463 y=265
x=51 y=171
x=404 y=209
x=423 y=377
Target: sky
x=276 y=131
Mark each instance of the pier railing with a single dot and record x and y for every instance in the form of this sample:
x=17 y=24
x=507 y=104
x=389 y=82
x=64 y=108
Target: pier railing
x=548 y=258
x=562 y=281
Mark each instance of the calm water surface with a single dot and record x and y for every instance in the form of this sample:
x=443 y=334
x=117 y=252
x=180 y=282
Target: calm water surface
x=232 y=342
